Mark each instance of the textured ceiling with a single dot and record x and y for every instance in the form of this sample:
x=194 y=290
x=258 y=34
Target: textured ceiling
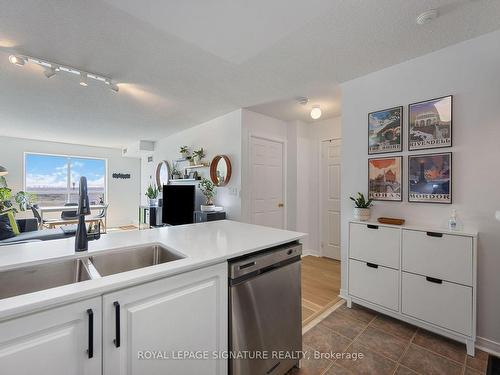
x=184 y=62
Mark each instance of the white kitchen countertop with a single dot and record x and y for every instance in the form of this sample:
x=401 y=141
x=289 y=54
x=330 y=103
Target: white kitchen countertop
x=202 y=245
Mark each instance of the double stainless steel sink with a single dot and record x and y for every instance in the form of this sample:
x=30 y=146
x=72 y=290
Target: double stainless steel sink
x=53 y=274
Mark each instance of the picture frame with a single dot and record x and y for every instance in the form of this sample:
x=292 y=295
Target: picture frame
x=430 y=124
x=430 y=178
x=385 y=131
x=385 y=179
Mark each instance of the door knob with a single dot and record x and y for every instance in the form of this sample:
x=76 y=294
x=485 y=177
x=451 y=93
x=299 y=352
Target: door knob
x=281 y=205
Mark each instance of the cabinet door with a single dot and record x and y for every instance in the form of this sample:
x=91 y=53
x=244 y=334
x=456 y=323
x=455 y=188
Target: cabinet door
x=64 y=340
x=145 y=325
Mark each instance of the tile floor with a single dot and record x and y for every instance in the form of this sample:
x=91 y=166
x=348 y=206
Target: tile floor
x=388 y=345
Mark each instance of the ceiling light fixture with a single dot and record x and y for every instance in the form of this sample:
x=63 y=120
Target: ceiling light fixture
x=49 y=72
x=17 y=60
x=51 y=68
x=427 y=16
x=315 y=112
x=83 y=79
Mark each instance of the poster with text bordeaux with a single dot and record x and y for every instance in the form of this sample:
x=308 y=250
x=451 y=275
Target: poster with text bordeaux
x=384 y=179
x=430 y=123
x=429 y=178
x=384 y=131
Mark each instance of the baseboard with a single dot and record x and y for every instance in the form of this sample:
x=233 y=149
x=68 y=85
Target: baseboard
x=488 y=346
x=310 y=252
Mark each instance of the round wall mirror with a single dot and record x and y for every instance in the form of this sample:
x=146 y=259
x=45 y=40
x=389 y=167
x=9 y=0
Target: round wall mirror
x=162 y=174
x=220 y=170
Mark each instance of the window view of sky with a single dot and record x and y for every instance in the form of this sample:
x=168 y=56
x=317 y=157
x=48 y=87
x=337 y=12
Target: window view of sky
x=55 y=179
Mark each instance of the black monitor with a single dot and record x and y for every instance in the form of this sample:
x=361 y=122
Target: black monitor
x=178 y=204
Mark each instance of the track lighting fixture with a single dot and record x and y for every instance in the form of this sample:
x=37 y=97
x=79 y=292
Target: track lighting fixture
x=49 y=72
x=50 y=69
x=17 y=60
x=83 y=79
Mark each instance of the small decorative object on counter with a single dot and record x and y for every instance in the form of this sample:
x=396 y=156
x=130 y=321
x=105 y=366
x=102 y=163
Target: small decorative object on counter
x=198 y=156
x=207 y=187
x=362 y=207
x=390 y=220
x=184 y=151
x=152 y=194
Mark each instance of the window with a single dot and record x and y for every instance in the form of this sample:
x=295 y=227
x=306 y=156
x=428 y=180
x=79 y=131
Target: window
x=55 y=178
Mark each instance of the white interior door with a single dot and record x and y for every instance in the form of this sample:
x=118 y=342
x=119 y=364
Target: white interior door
x=330 y=198
x=266 y=193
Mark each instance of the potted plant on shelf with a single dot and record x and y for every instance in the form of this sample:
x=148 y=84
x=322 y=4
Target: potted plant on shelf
x=190 y=159
x=362 y=207
x=184 y=152
x=207 y=188
x=152 y=194
x=198 y=156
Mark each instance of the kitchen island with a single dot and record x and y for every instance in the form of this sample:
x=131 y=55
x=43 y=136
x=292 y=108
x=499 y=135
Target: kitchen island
x=117 y=316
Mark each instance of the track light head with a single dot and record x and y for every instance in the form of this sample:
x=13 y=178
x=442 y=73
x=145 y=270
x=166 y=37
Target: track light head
x=113 y=86
x=83 y=79
x=49 y=72
x=17 y=60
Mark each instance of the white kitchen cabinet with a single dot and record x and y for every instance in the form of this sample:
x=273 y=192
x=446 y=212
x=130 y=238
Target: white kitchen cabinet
x=423 y=276
x=186 y=313
x=64 y=340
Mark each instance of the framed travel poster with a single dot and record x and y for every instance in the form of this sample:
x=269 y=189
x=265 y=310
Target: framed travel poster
x=430 y=123
x=429 y=178
x=384 y=131
x=384 y=179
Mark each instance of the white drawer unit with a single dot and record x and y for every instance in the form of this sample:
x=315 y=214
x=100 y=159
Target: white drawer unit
x=444 y=256
x=374 y=283
x=423 y=276
x=445 y=304
x=375 y=243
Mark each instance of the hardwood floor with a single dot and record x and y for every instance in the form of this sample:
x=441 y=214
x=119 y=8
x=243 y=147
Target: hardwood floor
x=320 y=286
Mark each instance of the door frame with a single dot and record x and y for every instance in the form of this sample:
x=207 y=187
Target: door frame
x=284 y=143
x=320 y=193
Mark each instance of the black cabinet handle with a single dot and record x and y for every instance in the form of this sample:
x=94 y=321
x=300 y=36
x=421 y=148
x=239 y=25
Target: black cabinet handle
x=90 y=350
x=117 y=324
x=434 y=280
x=372 y=265
x=434 y=234
x=371 y=226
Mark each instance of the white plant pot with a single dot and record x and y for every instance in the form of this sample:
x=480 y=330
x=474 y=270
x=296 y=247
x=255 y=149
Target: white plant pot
x=153 y=202
x=361 y=214
x=208 y=207
x=196 y=160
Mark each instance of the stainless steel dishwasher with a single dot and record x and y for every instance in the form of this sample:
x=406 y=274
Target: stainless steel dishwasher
x=265 y=325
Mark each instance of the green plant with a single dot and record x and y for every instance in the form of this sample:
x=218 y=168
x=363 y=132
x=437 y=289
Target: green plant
x=207 y=188
x=152 y=192
x=5 y=203
x=361 y=202
x=184 y=150
x=25 y=200
x=200 y=154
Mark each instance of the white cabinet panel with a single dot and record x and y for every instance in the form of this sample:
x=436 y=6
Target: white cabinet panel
x=187 y=312
x=443 y=256
x=376 y=284
x=445 y=304
x=374 y=243
x=54 y=341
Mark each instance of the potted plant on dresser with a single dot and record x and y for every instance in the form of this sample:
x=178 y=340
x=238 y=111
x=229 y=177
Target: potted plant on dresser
x=152 y=194
x=362 y=207
x=207 y=188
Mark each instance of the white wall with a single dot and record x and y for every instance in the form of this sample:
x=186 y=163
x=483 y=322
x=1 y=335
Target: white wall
x=123 y=195
x=221 y=135
x=471 y=72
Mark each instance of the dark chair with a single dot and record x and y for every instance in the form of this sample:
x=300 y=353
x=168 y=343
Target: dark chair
x=69 y=215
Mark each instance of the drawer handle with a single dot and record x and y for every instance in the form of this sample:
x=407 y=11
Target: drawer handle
x=117 y=340
x=434 y=280
x=434 y=234
x=90 y=350
x=372 y=265
x=371 y=226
